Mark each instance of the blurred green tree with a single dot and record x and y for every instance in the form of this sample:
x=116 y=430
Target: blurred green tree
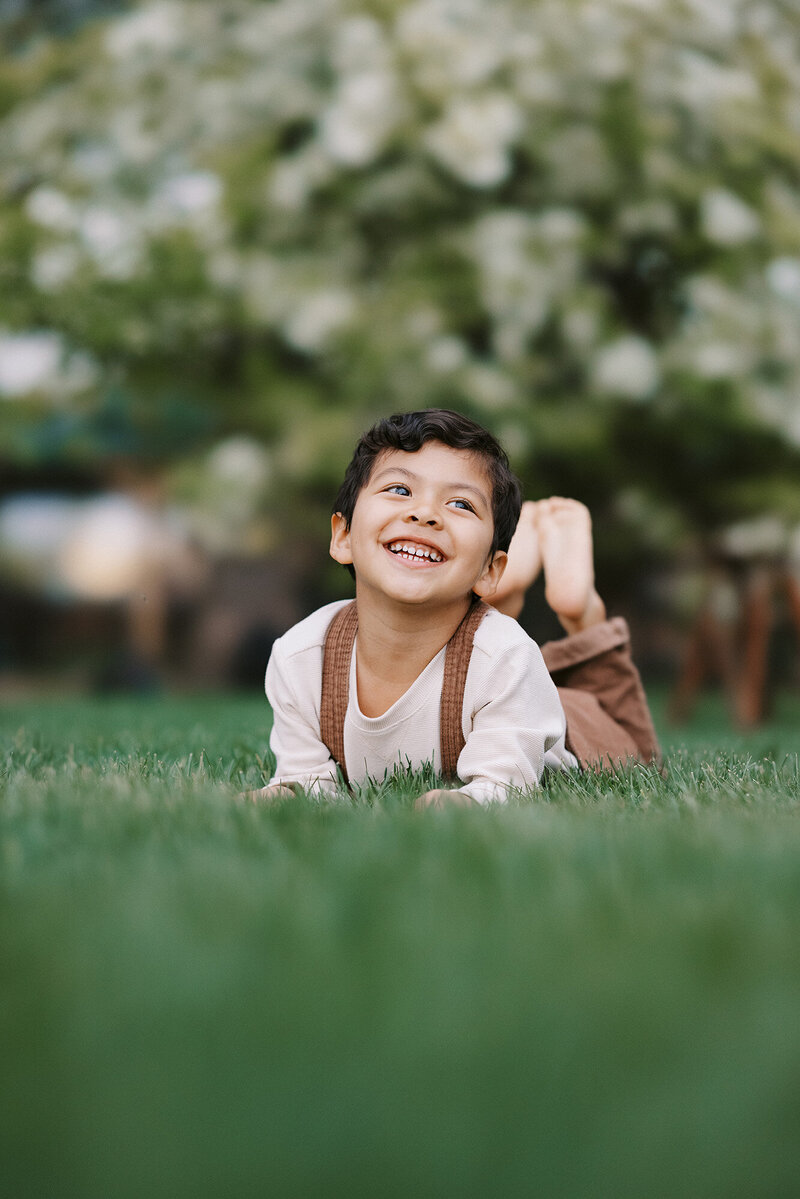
x=578 y=222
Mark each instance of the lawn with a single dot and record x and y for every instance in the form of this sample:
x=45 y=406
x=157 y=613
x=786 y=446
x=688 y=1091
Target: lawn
x=592 y=992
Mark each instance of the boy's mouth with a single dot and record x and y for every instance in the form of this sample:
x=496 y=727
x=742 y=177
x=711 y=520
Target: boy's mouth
x=414 y=551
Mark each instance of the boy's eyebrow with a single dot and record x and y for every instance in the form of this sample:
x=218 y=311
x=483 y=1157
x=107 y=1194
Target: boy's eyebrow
x=409 y=474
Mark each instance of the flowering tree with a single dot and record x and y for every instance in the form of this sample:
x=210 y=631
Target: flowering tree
x=577 y=220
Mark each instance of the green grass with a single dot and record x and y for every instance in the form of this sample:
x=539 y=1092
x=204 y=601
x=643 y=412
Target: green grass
x=592 y=992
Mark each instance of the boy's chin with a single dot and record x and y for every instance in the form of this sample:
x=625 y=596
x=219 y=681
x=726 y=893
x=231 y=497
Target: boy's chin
x=415 y=596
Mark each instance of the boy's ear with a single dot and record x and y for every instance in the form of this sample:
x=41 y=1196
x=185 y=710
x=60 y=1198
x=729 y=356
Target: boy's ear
x=340 y=540
x=493 y=573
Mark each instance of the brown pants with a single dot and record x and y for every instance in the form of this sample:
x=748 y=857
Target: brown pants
x=608 y=720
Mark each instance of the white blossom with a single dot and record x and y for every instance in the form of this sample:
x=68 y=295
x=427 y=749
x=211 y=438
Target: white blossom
x=264 y=287
x=295 y=178
x=726 y=220
x=719 y=19
x=267 y=28
x=599 y=26
x=783 y=276
x=52 y=209
x=318 y=316
x=95 y=162
x=138 y=145
x=34 y=129
x=721 y=360
x=53 y=268
x=488 y=386
x=704 y=82
x=446 y=354
x=29 y=362
x=355 y=128
x=514 y=438
x=474 y=138
x=240 y=461
x=627 y=367
x=80 y=372
x=525 y=262
x=707 y=293
x=561 y=225
x=499 y=238
x=188 y=194
x=40 y=362
x=225 y=268
x=359 y=46
x=779 y=407
x=580 y=327
x=112 y=240
x=153 y=29
x=289 y=186
x=451 y=43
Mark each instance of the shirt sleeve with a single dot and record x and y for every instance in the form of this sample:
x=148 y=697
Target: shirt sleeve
x=300 y=755
x=515 y=732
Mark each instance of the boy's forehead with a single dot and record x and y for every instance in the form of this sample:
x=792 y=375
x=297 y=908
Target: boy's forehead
x=463 y=465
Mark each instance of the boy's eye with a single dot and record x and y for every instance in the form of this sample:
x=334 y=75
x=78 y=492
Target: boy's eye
x=465 y=504
x=398 y=489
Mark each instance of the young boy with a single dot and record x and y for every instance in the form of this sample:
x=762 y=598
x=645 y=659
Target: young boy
x=417 y=669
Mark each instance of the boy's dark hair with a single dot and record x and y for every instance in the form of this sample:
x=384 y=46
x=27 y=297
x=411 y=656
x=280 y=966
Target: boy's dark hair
x=409 y=431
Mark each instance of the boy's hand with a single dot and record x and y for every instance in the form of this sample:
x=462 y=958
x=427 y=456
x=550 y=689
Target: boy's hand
x=275 y=791
x=442 y=798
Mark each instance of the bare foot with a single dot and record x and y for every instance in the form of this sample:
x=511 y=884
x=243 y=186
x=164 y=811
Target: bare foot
x=523 y=565
x=565 y=540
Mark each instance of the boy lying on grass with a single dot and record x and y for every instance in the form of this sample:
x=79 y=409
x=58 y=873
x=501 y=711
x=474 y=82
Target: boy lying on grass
x=428 y=663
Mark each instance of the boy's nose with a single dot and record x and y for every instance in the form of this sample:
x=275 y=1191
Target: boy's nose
x=423 y=517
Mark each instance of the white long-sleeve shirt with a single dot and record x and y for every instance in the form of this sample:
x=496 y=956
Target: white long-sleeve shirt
x=512 y=718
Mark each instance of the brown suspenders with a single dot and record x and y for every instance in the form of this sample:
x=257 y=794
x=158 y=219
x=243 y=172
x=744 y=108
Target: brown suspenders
x=338 y=650
x=336 y=681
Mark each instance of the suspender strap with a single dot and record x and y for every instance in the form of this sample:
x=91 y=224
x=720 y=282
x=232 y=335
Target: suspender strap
x=337 y=653
x=336 y=656
x=456 y=665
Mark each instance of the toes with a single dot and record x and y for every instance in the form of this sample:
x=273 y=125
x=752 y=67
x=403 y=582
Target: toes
x=560 y=505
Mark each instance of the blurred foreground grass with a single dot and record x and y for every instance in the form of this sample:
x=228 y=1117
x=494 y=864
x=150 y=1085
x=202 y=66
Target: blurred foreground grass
x=593 y=992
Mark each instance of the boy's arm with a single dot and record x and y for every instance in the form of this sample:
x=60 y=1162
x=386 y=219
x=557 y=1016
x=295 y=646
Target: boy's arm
x=301 y=759
x=518 y=724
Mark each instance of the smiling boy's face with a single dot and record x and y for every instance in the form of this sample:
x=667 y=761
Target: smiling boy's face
x=422 y=529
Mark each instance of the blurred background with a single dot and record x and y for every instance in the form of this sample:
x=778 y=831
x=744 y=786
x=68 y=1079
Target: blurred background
x=234 y=234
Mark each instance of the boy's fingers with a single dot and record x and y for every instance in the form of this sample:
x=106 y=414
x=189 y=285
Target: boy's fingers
x=442 y=798
x=277 y=791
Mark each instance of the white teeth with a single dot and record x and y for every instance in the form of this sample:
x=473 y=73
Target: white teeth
x=410 y=551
